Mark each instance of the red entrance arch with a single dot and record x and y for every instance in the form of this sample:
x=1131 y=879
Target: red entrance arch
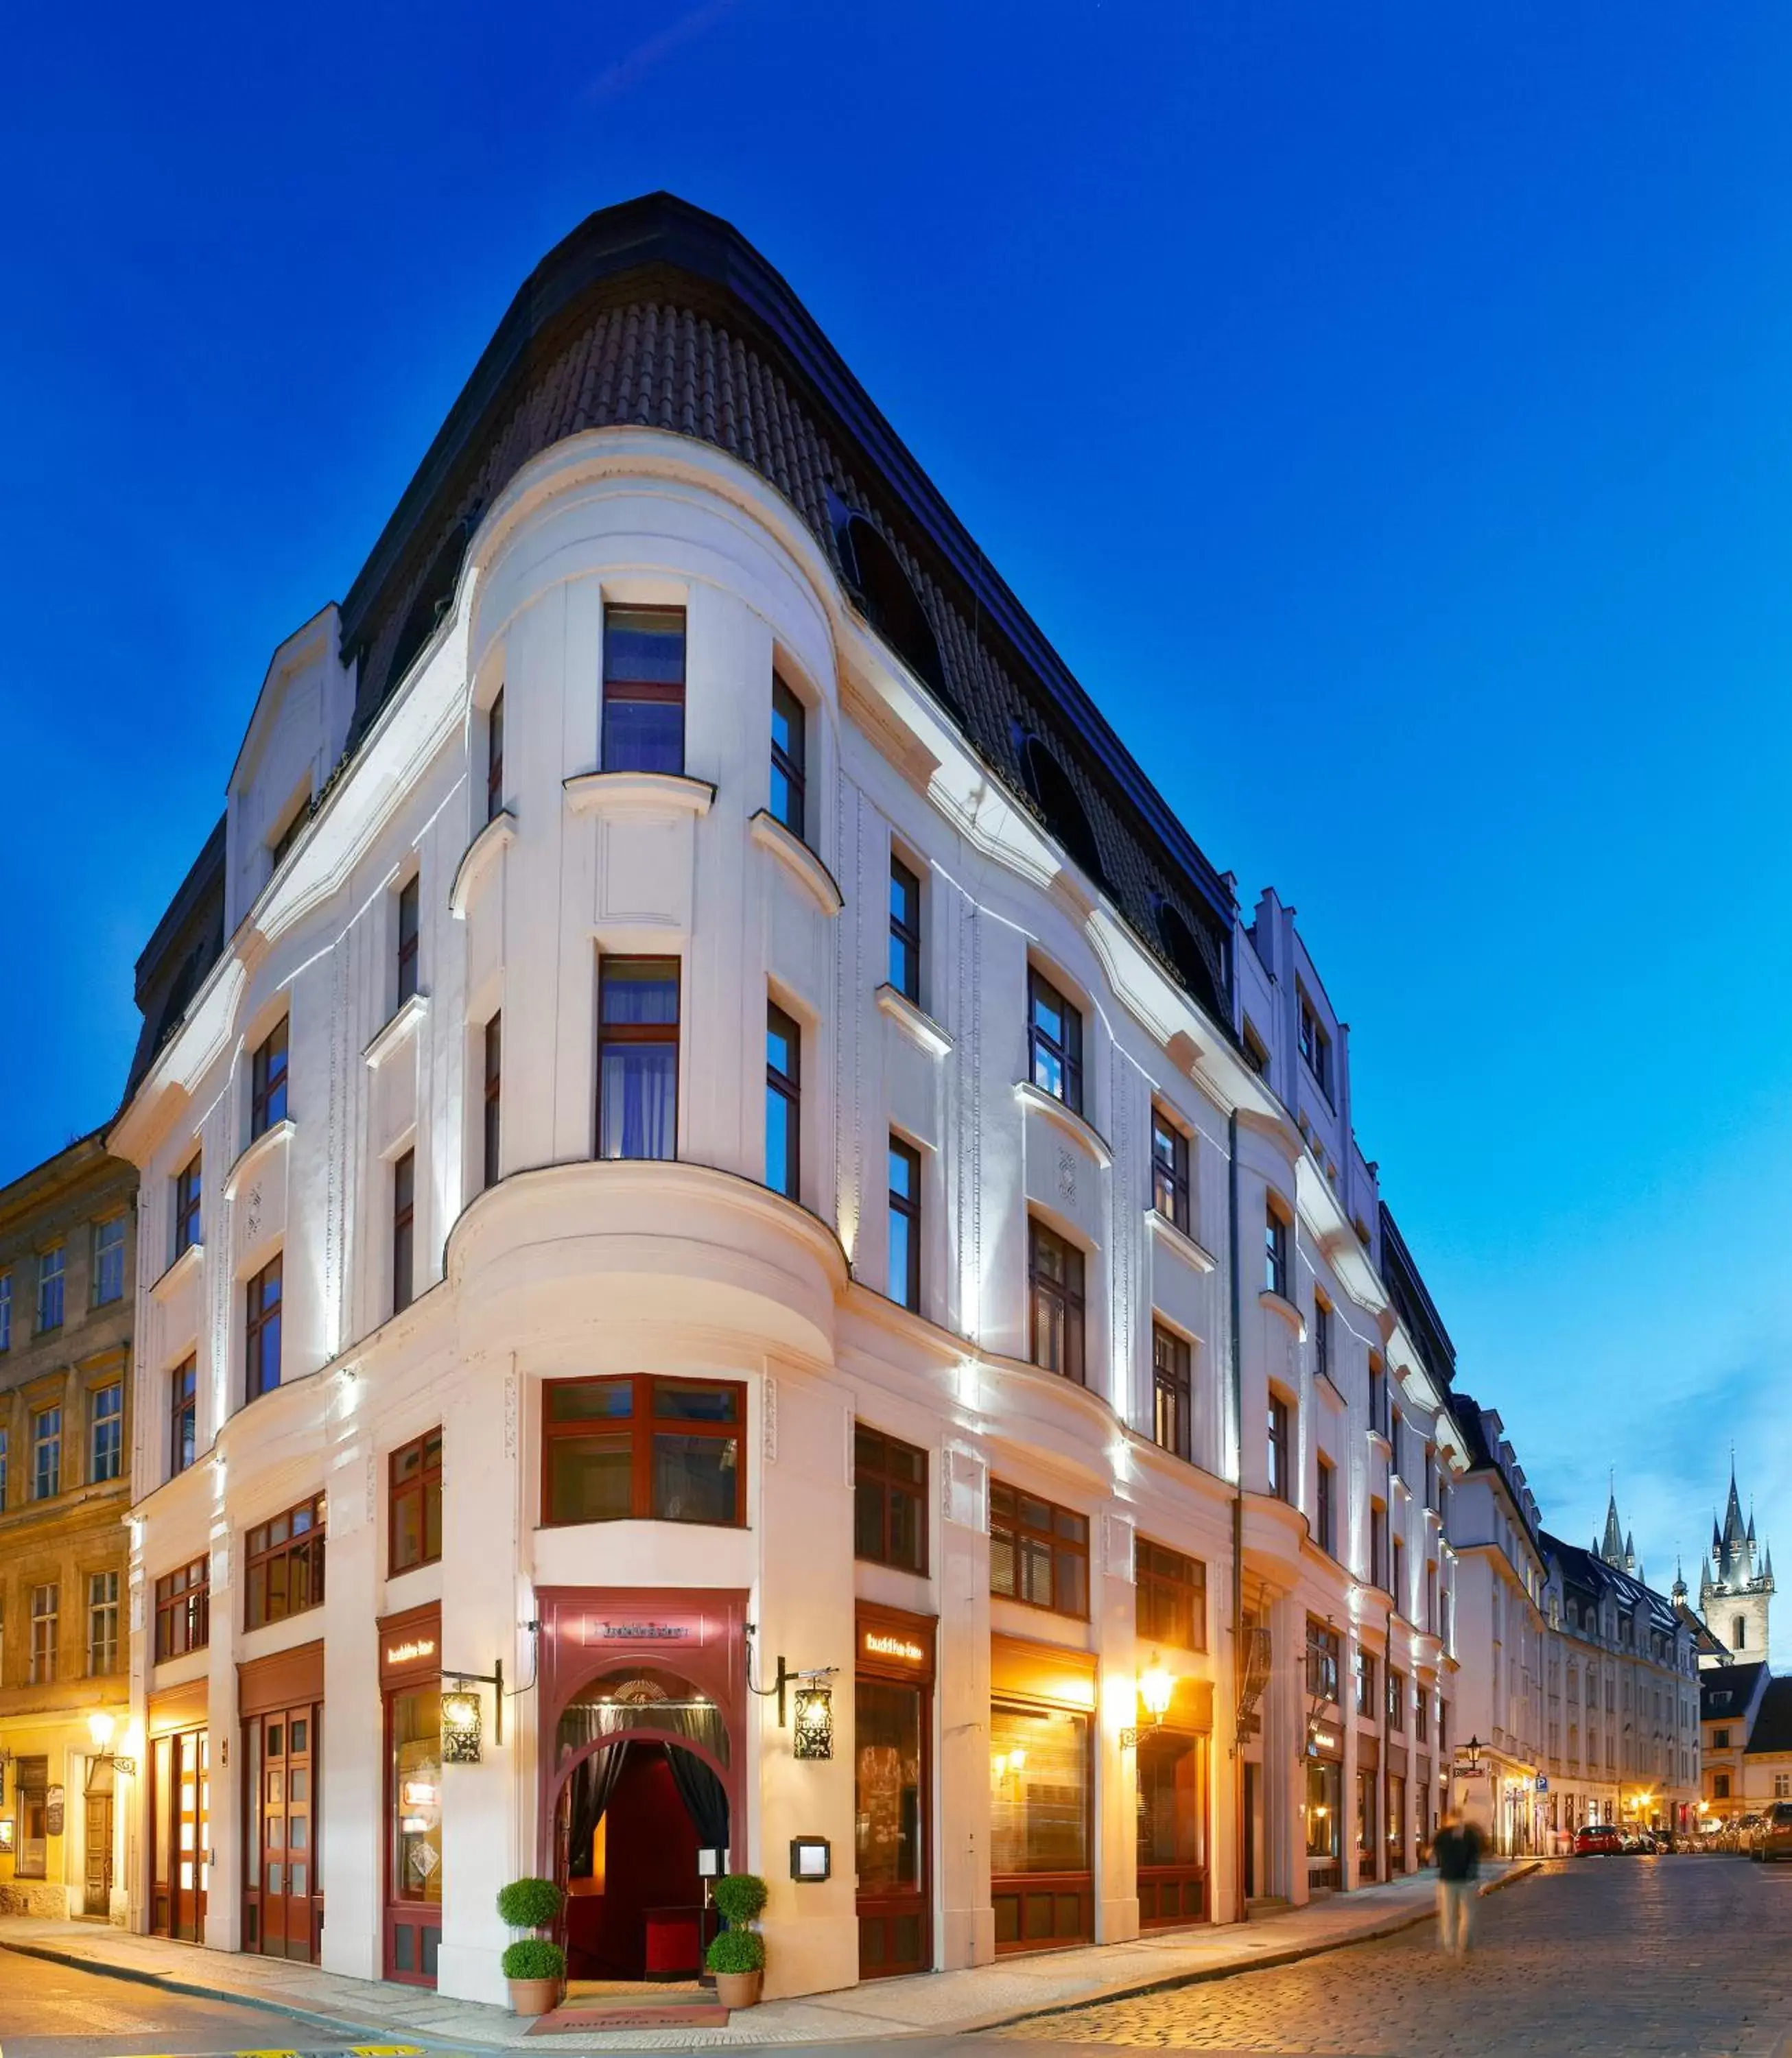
x=589 y=1632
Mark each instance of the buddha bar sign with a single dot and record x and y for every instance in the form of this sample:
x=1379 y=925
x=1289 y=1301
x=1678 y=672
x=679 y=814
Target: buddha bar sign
x=878 y=1643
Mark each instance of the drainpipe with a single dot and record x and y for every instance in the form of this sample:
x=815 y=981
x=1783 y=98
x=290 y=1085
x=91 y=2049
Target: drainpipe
x=1237 y=1397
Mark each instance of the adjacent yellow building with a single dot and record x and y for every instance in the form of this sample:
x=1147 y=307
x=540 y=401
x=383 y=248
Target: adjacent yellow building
x=68 y=1257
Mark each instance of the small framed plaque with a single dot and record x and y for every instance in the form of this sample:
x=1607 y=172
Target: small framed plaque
x=811 y=1858
x=711 y=1864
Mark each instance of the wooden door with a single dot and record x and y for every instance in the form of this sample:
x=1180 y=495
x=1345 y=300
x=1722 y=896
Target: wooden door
x=893 y=1751
x=97 y=1886
x=281 y=1895
x=180 y=1803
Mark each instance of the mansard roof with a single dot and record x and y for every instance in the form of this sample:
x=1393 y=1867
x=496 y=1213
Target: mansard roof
x=1725 y=1691
x=656 y=314
x=1588 y=1571
x=1772 y=1726
x=1413 y=1304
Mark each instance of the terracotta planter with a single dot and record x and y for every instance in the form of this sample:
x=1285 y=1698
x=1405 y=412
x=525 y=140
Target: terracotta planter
x=738 y=1989
x=533 y=1997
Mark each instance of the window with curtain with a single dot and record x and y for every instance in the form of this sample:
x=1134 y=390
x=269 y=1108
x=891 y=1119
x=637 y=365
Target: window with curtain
x=638 y=1058
x=644 y=690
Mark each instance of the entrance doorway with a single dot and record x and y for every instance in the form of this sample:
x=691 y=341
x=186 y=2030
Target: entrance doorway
x=282 y=1899
x=96 y=1897
x=180 y=1854
x=642 y=1795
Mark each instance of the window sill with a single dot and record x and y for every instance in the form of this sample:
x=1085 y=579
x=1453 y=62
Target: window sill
x=1179 y=1241
x=1380 y=1440
x=1327 y=1389
x=481 y=855
x=1286 y=1308
x=1066 y=1119
x=638 y=794
x=395 y=1031
x=770 y=834
x=176 y=1275
x=913 y=1021
x=262 y=1146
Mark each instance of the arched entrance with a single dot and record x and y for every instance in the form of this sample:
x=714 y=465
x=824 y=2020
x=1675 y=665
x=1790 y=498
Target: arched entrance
x=643 y=1770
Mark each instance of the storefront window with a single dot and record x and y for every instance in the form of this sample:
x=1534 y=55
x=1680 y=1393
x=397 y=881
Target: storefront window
x=1325 y=1783
x=416 y=1796
x=1039 y=1790
x=1173 y=1800
x=888 y=1790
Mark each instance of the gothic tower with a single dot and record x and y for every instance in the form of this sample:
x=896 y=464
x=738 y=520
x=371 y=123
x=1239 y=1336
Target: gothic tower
x=1735 y=1589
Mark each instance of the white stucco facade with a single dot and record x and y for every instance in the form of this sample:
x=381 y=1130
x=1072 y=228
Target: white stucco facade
x=570 y=1266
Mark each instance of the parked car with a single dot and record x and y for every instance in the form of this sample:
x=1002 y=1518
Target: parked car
x=1776 y=1831
x=1597 y=1840
x=1748 y=1835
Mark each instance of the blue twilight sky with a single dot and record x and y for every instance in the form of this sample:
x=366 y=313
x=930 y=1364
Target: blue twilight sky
x=1384 y=408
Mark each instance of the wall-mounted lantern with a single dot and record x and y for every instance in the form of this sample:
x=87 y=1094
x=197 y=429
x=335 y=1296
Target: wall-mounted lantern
x=102 y=1727
x=463 y=1713
x=814 y=1736
x=1156 y=1689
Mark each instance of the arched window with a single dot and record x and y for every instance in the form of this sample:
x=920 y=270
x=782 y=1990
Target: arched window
x=1201 y=970
x=1065 y=816
x=435 y=597
x=888 y=595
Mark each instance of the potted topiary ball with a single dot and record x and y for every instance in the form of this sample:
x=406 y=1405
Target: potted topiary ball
x=736 y=1955
x=534 y=1966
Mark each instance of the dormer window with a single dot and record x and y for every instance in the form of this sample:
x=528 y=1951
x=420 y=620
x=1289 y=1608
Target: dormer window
x=289 y=834
x=1316 y=1046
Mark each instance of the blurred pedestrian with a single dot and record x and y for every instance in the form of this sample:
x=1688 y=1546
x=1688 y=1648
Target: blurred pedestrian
x=1457 y=1847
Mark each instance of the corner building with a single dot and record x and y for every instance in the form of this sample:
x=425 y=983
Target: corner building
x=733 y=1136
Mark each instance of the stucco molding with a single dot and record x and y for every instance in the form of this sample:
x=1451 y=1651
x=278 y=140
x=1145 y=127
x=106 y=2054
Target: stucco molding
x=798 y=859
x=481 y=855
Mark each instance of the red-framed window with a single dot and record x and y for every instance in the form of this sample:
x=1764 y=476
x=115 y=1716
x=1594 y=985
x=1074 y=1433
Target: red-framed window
x=413 y=1504
x=889 y=1500
x=283 y=1565
x=184 y=1610
x=1054 y=1303
x=651 y=1449
x=643 y=689
x=1039 y=1552
x=1171 y=1597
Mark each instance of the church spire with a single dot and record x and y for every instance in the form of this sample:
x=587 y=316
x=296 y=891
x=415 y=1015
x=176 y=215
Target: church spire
x=1612 y=1549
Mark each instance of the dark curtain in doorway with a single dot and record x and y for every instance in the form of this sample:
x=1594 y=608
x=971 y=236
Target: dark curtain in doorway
x=704 y=1797
x=592 y=1782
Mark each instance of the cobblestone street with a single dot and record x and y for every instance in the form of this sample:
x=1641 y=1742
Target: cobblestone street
x=1597 y=1955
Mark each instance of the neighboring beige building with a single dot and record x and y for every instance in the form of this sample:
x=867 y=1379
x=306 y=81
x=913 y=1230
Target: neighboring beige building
x=68 y=1246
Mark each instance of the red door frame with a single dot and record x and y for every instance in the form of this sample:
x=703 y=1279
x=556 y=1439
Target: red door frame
x=587 y=1632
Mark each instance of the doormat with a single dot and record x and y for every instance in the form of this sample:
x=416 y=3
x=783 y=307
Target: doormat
x=680 y=2014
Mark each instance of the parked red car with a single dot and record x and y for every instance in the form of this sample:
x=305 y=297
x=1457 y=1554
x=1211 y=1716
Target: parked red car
x=1598 y=1840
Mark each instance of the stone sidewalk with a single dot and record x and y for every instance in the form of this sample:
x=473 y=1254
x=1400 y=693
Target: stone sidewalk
x=927 y=2003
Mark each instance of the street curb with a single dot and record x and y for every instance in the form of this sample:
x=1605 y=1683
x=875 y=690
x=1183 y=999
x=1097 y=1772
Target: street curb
x=1291 y=1954
x=1205 y=1975
x=139 y=1975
